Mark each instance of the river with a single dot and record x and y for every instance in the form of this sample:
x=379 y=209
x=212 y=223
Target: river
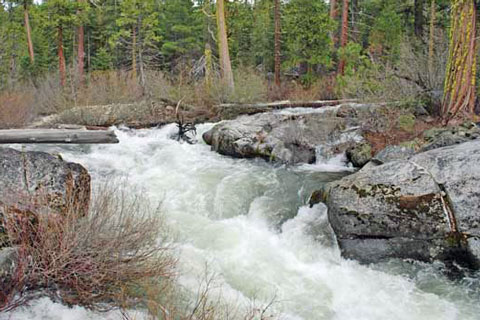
x=247 y=222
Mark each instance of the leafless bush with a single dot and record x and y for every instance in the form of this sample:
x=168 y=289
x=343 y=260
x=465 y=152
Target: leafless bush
x=15 y=109
x=90 y=261
x=170 y=301
x=413 y=77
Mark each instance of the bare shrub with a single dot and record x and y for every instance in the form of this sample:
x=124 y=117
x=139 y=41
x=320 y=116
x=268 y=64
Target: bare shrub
x=15 y=109
x=90 y=261
x=170 y=301
x=323 y=88
x=408 y=79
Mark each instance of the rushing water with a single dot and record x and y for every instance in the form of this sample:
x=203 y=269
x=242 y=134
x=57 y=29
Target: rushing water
x=248 y=222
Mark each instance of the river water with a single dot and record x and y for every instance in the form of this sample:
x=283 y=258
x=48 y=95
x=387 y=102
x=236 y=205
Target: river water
x=246 y=221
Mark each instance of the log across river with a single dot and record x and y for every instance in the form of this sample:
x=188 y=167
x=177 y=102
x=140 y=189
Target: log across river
x=247 y=221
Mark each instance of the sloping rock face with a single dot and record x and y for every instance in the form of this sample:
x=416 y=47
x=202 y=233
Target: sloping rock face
x=34 y=181
x=425 y=207
x=287 y=138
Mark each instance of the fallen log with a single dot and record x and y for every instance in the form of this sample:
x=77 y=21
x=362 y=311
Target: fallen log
x=229 y=110
x=57 y=136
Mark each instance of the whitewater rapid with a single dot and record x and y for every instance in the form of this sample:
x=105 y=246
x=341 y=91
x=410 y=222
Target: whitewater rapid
x=247 y=222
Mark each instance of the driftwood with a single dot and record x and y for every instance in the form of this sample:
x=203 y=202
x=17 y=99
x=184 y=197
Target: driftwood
x=287 y=104
x=229 y=110
x=186 y=130
x=56 y=136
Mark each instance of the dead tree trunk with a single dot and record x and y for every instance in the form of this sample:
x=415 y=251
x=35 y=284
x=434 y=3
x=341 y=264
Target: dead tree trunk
x=29 y=33
x=56 y=136
x=344 y=36
x=225 y=64
x=460 y=80
x=277 y=43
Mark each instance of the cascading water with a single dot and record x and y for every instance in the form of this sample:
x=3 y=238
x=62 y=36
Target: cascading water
x=248 y=222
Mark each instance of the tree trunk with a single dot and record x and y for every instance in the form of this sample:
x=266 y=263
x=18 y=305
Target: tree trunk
x=81 y=51
x=344 y=36
x=61 y=58
x=208 y=66
x=431 y=40
x=333 y=16
x=29 y=33
x=225 y=64
x=460 y=80
x=277 y=43
x=354 y=18
x=419 y=18
x=134 y=52
x=208 y=46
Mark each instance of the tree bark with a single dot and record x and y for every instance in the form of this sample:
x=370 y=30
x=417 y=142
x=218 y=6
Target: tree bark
x=81 y=50
x=61 y=57
x=460 y=80
x=333 y=16
x=225 y=64
x=344 y=35
x=419 y=18
x=29 y=33
x=277 y=43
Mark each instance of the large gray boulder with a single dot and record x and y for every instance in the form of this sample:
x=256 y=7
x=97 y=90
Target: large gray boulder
x=285 y=138
x=426 y=207
x=38 y=181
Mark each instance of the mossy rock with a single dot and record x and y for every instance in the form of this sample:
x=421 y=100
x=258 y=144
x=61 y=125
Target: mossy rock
x=360 y=154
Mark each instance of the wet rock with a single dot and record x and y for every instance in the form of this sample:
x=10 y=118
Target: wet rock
x=360 y=154
x=401 y=209
x=392 y=153
x=38 y=181
x=284 y=138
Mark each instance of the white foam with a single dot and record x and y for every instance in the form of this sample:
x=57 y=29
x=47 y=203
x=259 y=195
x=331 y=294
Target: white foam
x=227 y=214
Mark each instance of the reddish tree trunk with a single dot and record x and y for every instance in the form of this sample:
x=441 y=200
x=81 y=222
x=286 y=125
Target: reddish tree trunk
x=344 y=36
x=29 y=34
x=61 y=58
x=277 y=43
x=333 y=16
